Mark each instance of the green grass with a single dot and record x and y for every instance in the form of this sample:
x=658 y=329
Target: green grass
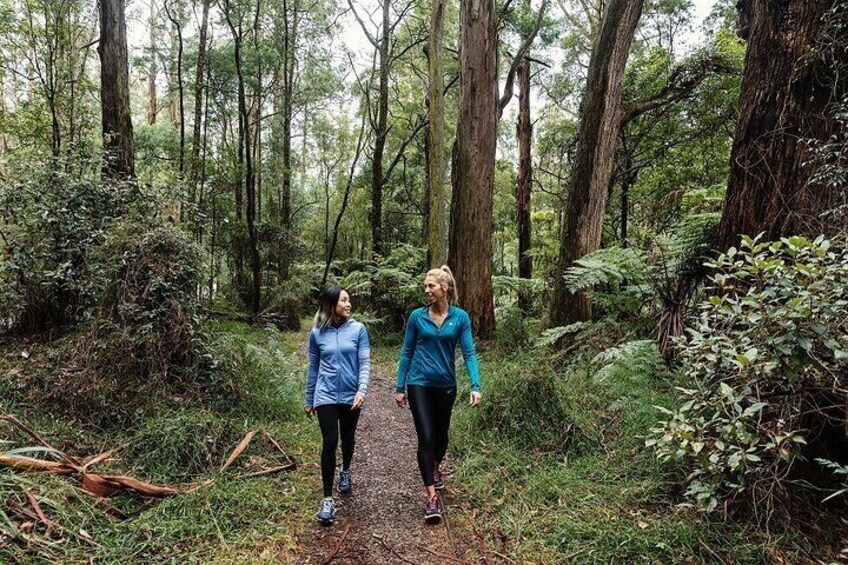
x=552 y=468
x=257 y=384
x=597 y=496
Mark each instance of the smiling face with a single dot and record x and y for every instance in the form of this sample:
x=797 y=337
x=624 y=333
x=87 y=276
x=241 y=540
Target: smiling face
x=342 y=310
x=433 y=290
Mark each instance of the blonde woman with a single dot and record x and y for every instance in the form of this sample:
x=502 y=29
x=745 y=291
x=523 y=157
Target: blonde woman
x=336 y=385
x=427 y=376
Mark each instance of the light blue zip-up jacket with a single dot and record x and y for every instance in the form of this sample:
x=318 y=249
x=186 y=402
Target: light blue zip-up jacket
x=339 y=364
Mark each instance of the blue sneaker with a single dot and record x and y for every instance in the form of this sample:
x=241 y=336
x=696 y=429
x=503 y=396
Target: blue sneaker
x=345 y=485
x=327 y=513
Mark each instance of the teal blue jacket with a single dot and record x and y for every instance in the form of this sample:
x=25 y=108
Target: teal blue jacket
x=427 y=358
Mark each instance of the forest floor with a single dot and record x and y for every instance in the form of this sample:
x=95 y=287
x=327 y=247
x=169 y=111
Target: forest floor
x=382 y=521
x=516 y=492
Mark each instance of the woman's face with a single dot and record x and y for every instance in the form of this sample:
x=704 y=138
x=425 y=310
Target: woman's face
x=433 y=290
x=343 y=306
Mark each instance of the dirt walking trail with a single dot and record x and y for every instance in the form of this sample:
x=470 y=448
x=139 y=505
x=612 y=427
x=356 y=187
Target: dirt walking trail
x=382 y=522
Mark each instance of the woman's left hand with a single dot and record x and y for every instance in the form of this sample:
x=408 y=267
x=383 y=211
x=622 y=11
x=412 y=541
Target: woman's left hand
x=358 y=401
x=476 y=399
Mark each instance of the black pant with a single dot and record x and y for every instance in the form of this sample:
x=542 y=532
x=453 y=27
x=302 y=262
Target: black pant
x=431 y=410
x=332 y=418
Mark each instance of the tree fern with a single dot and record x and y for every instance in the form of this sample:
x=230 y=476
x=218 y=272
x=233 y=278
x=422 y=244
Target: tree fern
x=604 y=266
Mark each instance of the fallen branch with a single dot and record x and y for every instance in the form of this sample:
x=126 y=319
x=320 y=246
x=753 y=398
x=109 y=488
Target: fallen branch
x=443 y=555
x=484 y=546
x=287 y=467
x=385 y=544
x=338 y=545
x=447 y=525
x=108 y=456
x=28 y=514
x=39 y=512
x=109 y=485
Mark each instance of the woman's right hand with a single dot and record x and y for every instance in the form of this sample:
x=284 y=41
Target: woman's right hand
x=309 y=410
x=400 y=398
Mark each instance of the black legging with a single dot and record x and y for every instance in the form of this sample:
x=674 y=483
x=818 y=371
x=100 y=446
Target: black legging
x=332 y=418
x=431 y=410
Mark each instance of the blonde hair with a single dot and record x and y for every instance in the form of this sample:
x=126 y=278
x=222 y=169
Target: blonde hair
x=445 y=277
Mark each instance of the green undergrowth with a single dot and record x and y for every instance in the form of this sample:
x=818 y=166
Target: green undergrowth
x=555 y=463
x=258 y=376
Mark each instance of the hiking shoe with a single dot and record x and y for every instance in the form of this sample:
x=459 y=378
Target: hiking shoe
x=438 y=480
x=432 y=512
x=327 y=513
x=345 y=485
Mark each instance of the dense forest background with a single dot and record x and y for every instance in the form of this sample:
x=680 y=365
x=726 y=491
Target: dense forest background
x=645 y=215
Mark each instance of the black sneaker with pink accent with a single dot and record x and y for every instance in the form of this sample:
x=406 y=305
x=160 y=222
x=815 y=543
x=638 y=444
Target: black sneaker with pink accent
x=438 y=480
x=433 y=511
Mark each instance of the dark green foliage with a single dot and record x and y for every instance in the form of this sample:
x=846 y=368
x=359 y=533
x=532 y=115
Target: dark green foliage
x=385 y=292
x=259 y=378
x=766 y=356
x=511 y=329
x=523 y=404
x=52 y=217
x=145 y=343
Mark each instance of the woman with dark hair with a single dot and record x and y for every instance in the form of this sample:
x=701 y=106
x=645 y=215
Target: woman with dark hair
x=336 y=385
x=427 y=376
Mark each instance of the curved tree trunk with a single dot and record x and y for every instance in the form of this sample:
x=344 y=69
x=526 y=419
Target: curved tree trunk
x=470 y=254
x=377 y=177
x=784 y=103
x=594 y=161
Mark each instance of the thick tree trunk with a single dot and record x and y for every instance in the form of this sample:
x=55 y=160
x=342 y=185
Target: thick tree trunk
x=525 y=182
x=594 y=161
x=784 y=104
x=470 y=252
x=436 y=237
x=119 y=161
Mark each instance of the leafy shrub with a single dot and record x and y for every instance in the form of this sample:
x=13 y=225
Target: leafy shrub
x=258 y=380
x=286 y=304
x=54 y=215
x=524 y=404
x=767 y=360
x=511 y=328
x=145 y=342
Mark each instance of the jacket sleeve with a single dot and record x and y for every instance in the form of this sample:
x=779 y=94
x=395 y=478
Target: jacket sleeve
x=312 y=372
x=466 y=344
x=364 y=352
x=408 y=350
